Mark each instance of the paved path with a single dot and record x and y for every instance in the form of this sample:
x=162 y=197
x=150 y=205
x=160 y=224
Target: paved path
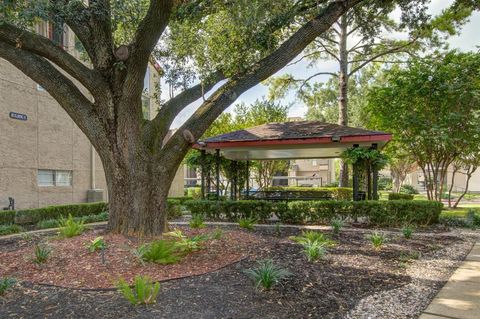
x=460 y=297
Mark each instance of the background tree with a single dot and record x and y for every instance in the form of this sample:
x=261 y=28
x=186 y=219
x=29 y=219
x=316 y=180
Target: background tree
x=364 y=34
x=466 y=164
x=243 y=116
x=432 y=107
x=400 y=163
x=235 y=44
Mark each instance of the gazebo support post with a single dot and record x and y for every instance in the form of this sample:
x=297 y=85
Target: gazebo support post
x=355 y=178
x=375 y=177
x=235 y=181
x=217 y=172
x=247 y=179
x=202 y=169
x=369 y=181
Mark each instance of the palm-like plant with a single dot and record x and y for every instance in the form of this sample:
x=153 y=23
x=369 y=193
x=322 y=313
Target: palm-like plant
x=266 y=274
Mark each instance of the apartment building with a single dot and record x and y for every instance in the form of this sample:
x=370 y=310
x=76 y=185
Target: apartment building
x=45 y=158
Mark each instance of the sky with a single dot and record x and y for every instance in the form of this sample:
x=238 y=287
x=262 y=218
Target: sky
x=466 y=41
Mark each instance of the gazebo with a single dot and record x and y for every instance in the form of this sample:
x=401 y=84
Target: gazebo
x=291 y=140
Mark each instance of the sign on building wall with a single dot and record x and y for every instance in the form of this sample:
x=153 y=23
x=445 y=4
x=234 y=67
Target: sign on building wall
x=18 y=116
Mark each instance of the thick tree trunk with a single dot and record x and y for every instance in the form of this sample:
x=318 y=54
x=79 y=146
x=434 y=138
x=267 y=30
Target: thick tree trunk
x=137 y=202
x=343 y=91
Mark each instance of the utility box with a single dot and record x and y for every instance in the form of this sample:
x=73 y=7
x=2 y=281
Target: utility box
x=95 y=195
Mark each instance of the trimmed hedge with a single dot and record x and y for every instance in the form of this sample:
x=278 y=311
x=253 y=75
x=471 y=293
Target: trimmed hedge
x=337 y=193
x=34 y=215
x=400 y=196
x=379 y=213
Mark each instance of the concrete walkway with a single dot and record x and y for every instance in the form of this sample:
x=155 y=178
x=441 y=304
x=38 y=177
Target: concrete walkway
x=460 y=297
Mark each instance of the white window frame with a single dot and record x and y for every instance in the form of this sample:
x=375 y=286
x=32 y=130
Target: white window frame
x=55 y=179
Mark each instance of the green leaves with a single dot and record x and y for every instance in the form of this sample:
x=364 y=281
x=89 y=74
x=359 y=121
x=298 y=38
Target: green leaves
x=143 y=291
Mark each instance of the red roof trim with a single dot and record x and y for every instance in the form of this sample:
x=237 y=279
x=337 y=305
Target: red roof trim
x=300 y=141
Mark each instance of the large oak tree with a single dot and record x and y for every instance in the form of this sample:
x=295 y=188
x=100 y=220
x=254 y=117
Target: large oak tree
x=252 y=40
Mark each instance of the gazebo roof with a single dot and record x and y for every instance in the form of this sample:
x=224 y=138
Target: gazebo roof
x=292 y=140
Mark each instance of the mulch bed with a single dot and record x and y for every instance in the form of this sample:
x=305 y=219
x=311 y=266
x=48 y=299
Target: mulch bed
x=72 y=265
x=326 y=289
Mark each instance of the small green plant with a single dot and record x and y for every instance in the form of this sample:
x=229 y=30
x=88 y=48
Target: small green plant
x=160 y=252
x=377 y=239
x=337 y=225
x=9 y=229
x=42 y=252
x=71 y=228
x=186 y=244
x=143 y=291
x=407 y=231
x=266 y=274
x=217 y=234
x=96 y=244
x=197 y=221
x=5 y=284
x=406 y=257
x=247 y=223
x=26 y=236
x=278 y=229
x=313 y=236
x=314 y=250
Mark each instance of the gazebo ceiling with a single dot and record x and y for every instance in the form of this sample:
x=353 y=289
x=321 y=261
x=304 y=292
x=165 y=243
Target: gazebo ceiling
x=292 y=140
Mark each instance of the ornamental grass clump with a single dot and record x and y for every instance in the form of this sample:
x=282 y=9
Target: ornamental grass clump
x=160 y=252
x=5 y=284
x=247 y=223
x=143 y=291
x=197 y=221
x=337 y=225
x=407 y=231
x=314 y=250
x=70 y=227
x=377 y=239
x=267 y=274
x=313 y=236
x=41 y=253
x=96 y=244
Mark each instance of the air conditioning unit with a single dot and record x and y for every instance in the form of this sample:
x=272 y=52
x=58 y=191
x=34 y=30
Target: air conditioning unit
x=95 y=195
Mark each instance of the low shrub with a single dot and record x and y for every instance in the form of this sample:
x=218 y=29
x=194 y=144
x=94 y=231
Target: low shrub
x=9 y=229
x=314 y=250
x=266 y=274
x=160 y=251
x=407 y=231
x=143 y=291
x=96 y=244
x=70 y=228
x=41 y=253
x=54 y=223
x=5 y=284
x=33 y=216
x=393 y=213
x=7 y=217
x=408 y=189
x=337 y=225
x=397 y=196
x=194 y=192
x=197 y=221
x=336 y=193
x=185 y=244
x=377 y=240
x=247 y=223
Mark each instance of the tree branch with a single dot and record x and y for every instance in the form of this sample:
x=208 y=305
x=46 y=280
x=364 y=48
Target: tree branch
x=228 y=93
x=41 y=46
x=62 y=89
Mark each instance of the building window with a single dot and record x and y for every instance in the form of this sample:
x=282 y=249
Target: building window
x=47 y=177
x=314 y=163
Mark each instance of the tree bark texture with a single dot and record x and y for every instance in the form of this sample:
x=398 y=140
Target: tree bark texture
x=343 y=90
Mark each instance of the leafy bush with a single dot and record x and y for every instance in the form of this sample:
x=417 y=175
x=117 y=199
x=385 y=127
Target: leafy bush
x=384 y=184
x=336 y=193
x=41 y=253
x=337 y=225
x=186 y=244
x=9 y=229
x=70 y=228
x=377 y=239
x=197 y=221
x=397 y=196
x=143 y=291
x=314 y=250
x=408 y=189
x=5 y=284
x=391 y=213
x=247 y=223
x=407 y=231
x=160 y=251
x=194 y=192
x=7 y=217
x=97 y=244
x=266 y=274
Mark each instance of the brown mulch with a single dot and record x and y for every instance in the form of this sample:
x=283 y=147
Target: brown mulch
x=71 y=264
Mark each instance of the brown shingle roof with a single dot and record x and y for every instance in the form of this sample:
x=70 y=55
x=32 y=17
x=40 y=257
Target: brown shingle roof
x=291 y=130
